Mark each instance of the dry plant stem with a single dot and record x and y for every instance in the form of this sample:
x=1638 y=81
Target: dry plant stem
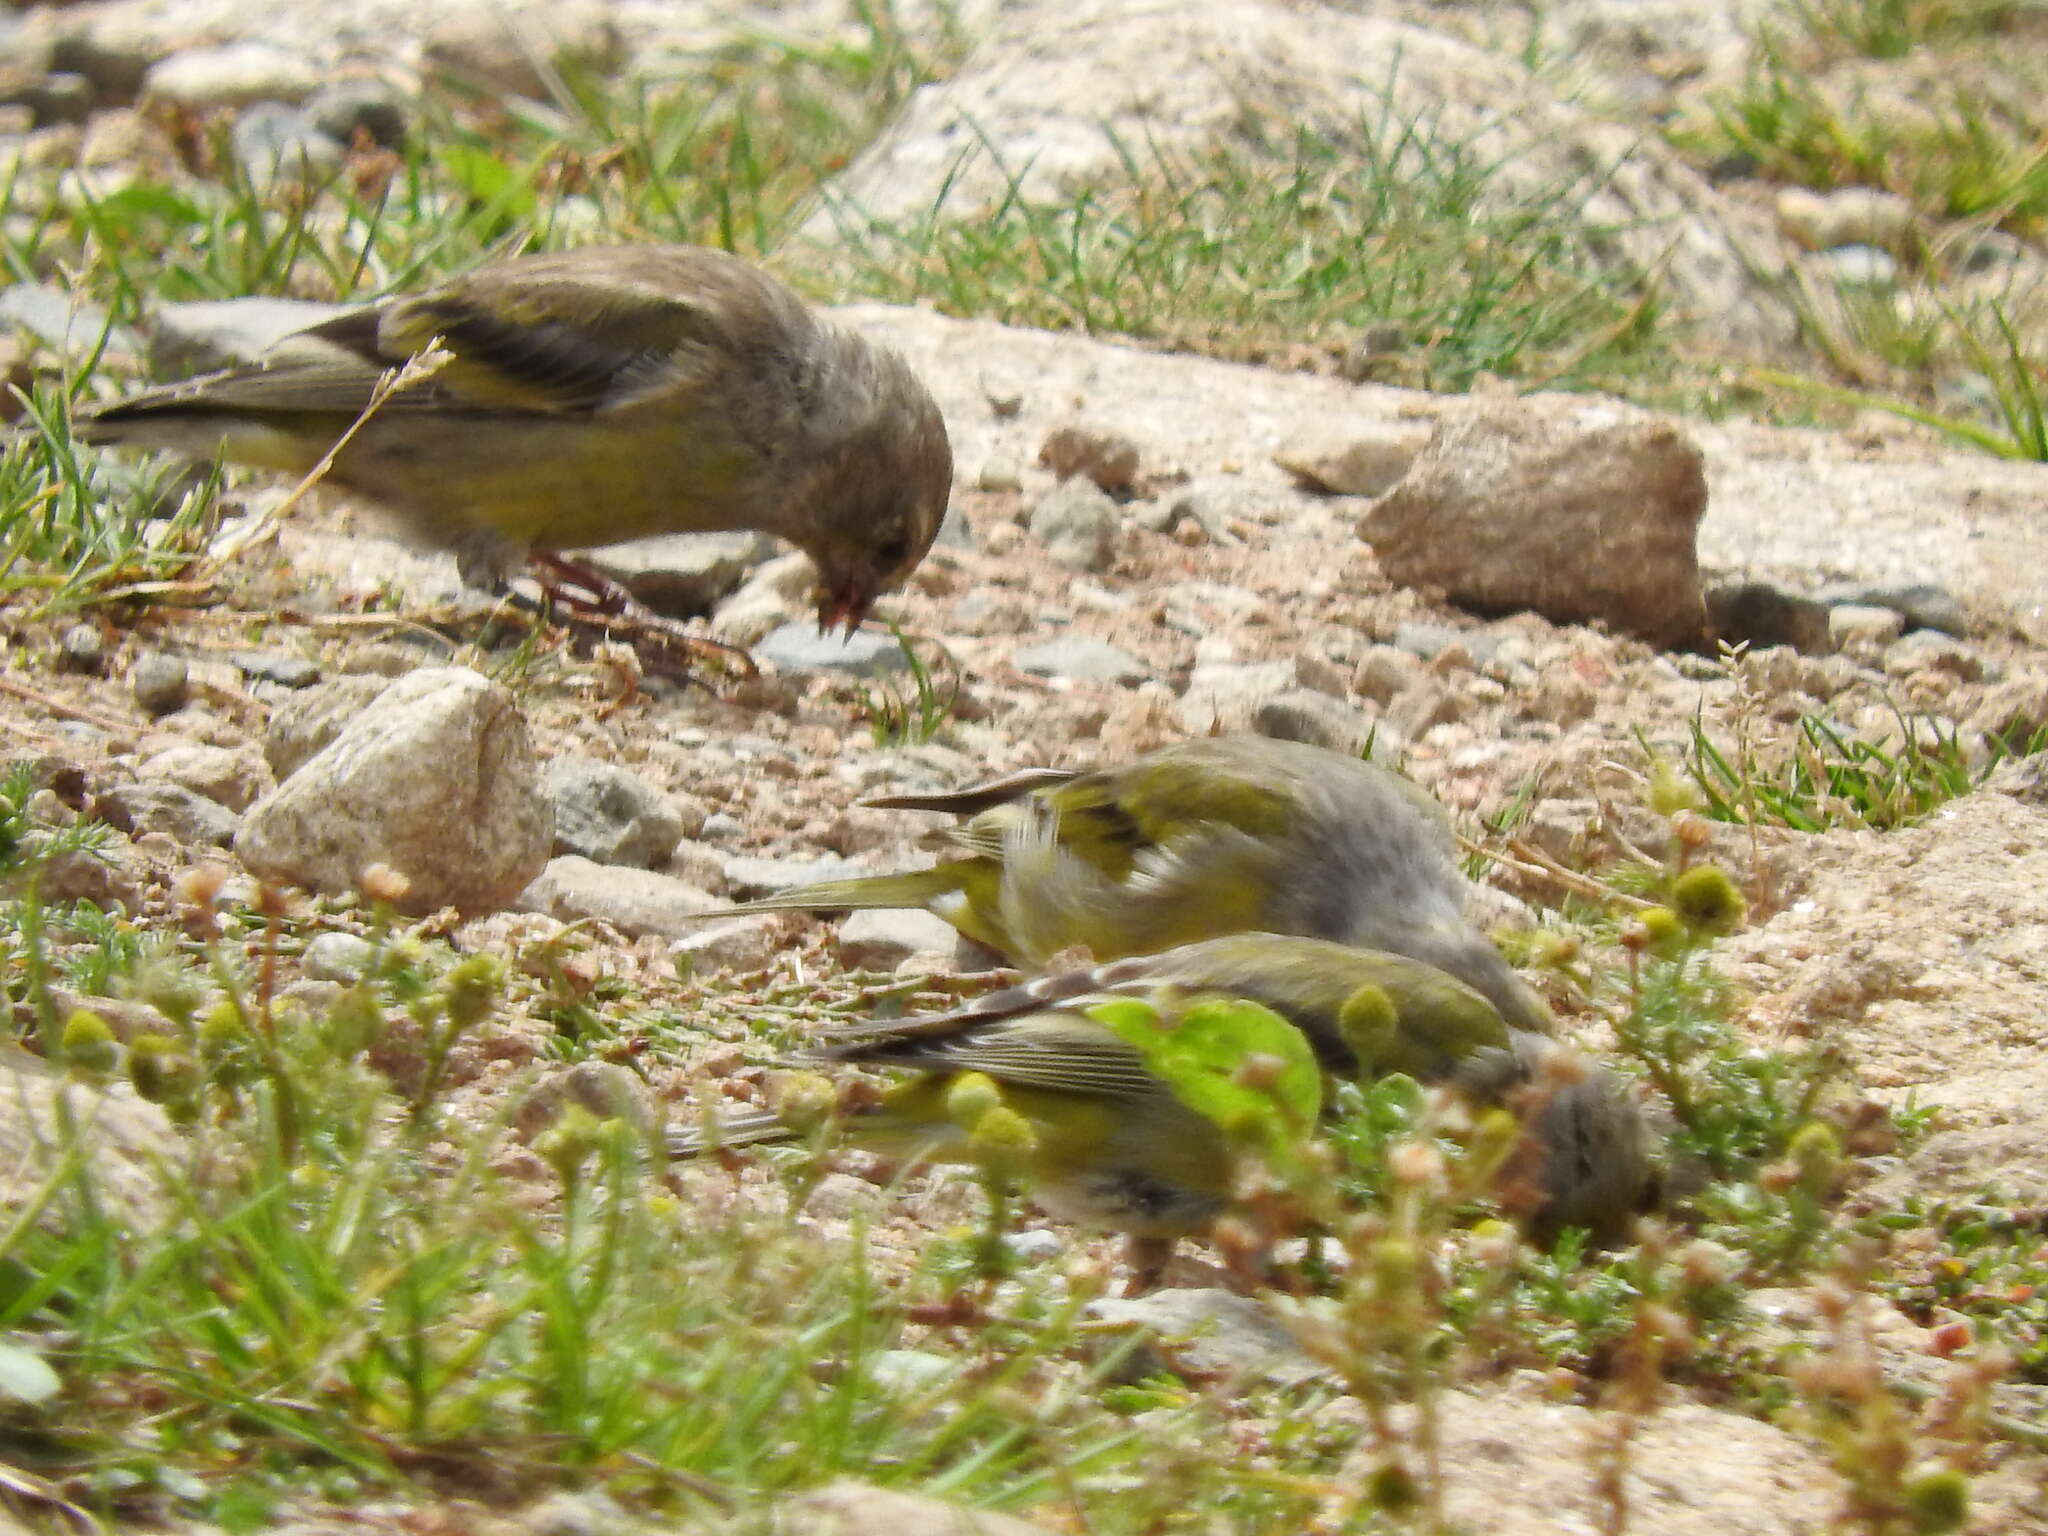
x=416 y=370
x=62 y=710
x=1527 y=859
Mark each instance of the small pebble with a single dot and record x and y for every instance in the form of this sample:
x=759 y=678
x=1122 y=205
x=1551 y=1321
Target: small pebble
x=84 y=648
x=160 y=682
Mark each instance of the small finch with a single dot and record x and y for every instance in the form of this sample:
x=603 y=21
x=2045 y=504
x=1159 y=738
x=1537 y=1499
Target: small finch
x=1110 y=1145
x=590 y=397
x=1202 y=838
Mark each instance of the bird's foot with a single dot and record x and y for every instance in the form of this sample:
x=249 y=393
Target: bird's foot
x=664 y=646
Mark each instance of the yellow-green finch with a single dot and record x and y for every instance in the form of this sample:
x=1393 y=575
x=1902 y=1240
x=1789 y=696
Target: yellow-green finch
x=590 y=397
x=1112 y=1146
x=1195 y=840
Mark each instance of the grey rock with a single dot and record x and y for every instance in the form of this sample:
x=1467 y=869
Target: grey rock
x=1224 y=696
x=274 y=142
x=373 y=108
x=132 y=1143
x=800 y=648
x=2023 y=778
x=113 y=61
x=999 y=474
x=2014 y=711
x=850 y=1508
x=1579 y=509
x=307 y=722
x=157 y=805
x=607 y=814
x=160 y=682
x=749 y=875
x=955 y=532
x=1077 y=523
x=1361 y=459
x=1108 y=459
x=1921 y=605
x=436 y=780
x=526 y=52
x=634 y=901
x=1211 y=505
x=232 y=75
x=339 y=957
x=1863 y=624
x=204 y=334
x=1851 y=216
x=57 y=96
x=1429 y=641
x=1081 y=658
x=1429 y=703
x=83 y=648
x=1857 y=266
x=292 y=672
x=1930 y=650
x=731 y=943
x=1057 y=96
x=234 y=777
x=1302 y=714
x=105 y=877
x=881 y=939
x=65 y=323
x=721 y=825
x=1764 y=615
x=682 y=574
x=1384 y=671
x=1214 y=1332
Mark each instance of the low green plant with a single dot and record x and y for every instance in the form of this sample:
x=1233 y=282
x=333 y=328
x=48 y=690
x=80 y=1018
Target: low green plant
x=1410 y=250
x=1829 y=777
x=908 y=716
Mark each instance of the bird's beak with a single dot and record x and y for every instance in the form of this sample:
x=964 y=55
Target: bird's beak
x=842 y=608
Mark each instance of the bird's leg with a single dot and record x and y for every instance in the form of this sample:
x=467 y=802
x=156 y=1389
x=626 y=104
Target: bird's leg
x=1148 y=1258
x=596 y=599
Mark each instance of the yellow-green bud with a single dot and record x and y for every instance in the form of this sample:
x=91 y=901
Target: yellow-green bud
x=1002 y=1139
x=570 y=1141
x=971 y=1098
x=1661 y=927
x=1939 y=1500
x=1396 y=1264
x=1370 y=1025
x=354 y=1022
x=1816 y=1151
x=470 y=989
x=1670 y=792
x=87 y=1043
x=161 y=1071
x=1707 y=901
x=805 y=1100
x=1390 y=1486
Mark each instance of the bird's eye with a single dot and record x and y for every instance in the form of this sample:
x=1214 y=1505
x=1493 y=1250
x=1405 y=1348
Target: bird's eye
x=890 y=552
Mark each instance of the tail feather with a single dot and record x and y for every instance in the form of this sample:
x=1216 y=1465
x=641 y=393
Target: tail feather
x=914 y=888
x=726 y=1131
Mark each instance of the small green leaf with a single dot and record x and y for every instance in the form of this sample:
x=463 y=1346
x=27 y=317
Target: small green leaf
x=1238 y=1064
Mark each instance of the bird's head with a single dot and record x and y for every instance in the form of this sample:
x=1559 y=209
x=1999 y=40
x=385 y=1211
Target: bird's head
x=879 y=500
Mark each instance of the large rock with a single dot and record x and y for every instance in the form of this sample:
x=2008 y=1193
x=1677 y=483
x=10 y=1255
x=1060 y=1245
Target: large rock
x=1578 y=508
x=436 y=780
x=1059 y=94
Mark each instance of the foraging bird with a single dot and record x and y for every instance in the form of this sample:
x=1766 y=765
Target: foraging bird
x=1202 y=838
x=1113 y=1147
x=589 y=397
